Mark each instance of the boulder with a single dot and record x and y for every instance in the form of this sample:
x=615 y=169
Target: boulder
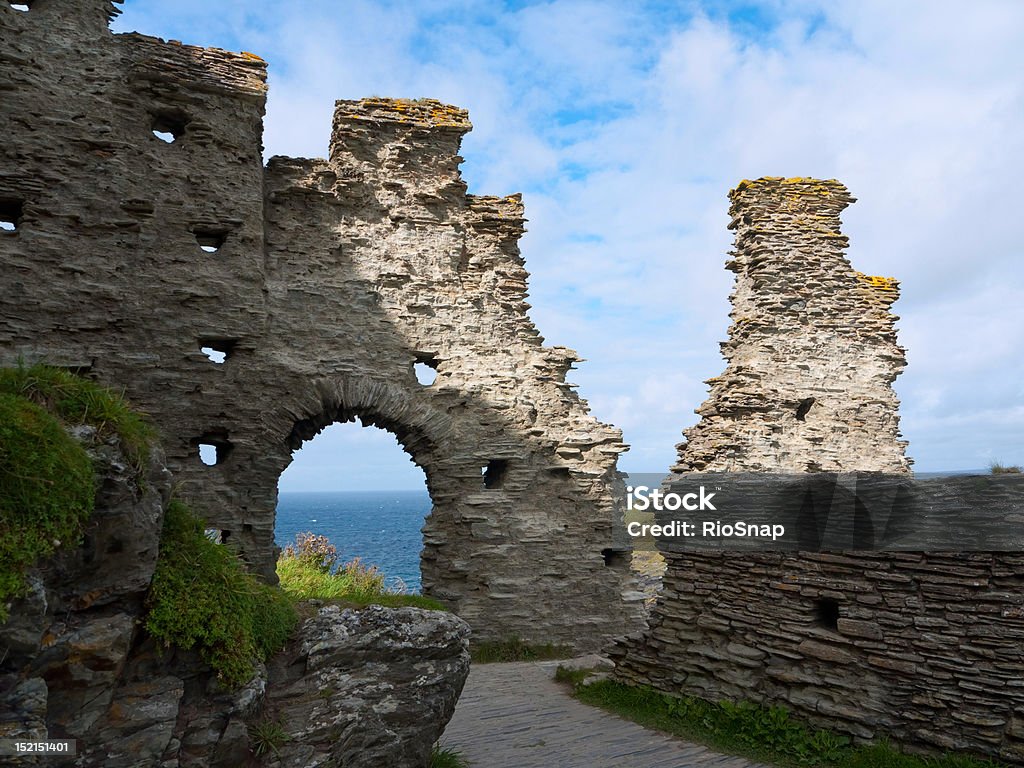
x=366 y=688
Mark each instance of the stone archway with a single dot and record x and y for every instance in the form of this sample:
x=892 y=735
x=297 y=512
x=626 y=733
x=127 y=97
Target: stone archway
x=516 y=542
x=416 y=431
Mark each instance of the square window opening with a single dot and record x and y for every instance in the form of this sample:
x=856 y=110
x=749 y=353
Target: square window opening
x=494 y=474
x=826 y=613
x=10 y=215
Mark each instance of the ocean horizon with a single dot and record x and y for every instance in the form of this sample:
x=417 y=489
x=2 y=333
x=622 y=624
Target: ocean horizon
x=381 y=528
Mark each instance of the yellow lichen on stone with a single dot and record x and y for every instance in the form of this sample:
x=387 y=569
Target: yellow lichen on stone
x=796 y=185
x=252 y=56
x=881 y=283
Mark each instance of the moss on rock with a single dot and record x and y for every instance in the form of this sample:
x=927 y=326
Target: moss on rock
x=47 y=490
x=203 y=598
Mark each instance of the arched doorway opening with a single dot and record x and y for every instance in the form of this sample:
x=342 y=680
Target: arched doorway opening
x=355 y=484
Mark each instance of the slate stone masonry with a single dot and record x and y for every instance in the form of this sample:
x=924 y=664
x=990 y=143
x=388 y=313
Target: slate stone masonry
x=321 y=283
x=925 y=648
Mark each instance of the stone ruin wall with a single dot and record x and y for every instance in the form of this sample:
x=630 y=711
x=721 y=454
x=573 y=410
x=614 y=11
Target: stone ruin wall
x=331 y=278
x=924 y=648
x=812 y=351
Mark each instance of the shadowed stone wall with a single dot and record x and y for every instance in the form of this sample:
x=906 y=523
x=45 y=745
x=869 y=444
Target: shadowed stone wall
x=323 y=282
x=924 y=648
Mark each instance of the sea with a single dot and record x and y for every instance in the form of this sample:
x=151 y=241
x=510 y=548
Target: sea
x=382 y=528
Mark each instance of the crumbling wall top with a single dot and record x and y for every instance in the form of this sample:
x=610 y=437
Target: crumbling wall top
x=425 y=113
x=201 y=69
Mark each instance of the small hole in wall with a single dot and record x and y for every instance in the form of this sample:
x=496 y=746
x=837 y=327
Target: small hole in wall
x=213 y=448
x=217 y=350
x=210 y=240
x=425 y=367
x=494 y=474
x=615 y=558
x=23 y=7
x=826 y=613
x=169 y=126
x=803 y=408
x=10 y=215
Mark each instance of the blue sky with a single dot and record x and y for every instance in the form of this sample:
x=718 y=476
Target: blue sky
x=624 y=125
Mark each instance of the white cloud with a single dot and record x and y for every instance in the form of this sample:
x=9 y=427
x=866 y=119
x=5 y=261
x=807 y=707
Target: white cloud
x=626 y=124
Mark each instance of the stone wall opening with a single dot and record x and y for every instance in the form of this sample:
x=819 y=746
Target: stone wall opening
x=169 y=125
x=357 y=485
x=213 y=447
x=10 y=215
x=494 y=474
x=217 y=350
x=425 y=368
x=211 y=239
x=826 y=613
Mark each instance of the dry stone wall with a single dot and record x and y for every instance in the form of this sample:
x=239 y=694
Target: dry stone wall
x=923 y=648
x=323 y=282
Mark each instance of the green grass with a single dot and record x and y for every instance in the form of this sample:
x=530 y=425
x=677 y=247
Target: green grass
x=47 y=491
x=444 y=757
x=766 y=734
x=571 y=677
x=309 y=570
x=47 y=482
x=514 y=649
x=202 y=597
x=75 y=400
x=1001 y=469
x=267 y=736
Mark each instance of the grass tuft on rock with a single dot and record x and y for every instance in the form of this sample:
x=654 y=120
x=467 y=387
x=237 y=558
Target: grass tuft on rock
x=202 y=597
x=765 y=734
x=75 y=401
x=267 y=737
x=309 y=570
x=446 y=757
x=47 y=490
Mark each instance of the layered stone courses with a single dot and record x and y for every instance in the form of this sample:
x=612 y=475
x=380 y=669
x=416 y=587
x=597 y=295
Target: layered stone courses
x=329 y=279
x=812 y=351
x=923 y=648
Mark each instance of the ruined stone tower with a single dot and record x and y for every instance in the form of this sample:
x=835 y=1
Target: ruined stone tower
x=812 y=351
x=921 y=647
x=322 y=282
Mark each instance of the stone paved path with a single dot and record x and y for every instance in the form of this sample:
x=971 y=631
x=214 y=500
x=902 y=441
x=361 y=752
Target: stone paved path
x=517 y=716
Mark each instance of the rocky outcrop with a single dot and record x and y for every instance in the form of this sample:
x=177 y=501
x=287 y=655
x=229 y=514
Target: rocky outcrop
x=367 y=688
x=373 y=687
x=66 y=647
